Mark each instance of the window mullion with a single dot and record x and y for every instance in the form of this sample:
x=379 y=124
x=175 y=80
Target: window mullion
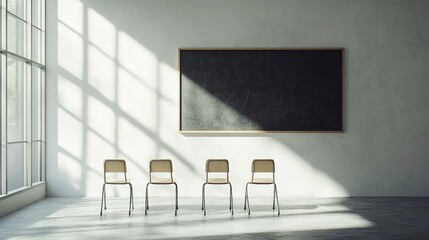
x=28 y=108
x=3 y=126
x=4 y=101
x=43 y=125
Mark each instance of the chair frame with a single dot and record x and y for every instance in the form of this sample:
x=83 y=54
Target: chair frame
x=103 y=192
x=155 y=183
x=275 y=194
x=231 y=203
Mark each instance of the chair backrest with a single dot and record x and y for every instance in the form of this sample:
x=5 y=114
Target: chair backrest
x=263 y=166
x=161 y=166
x=115 y=166
x=217 y=166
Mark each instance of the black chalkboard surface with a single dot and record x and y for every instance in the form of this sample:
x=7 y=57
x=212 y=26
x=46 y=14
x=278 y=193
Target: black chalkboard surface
x=262 y=90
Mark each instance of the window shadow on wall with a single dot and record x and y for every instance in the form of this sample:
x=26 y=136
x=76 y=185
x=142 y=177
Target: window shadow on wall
x=109 y=102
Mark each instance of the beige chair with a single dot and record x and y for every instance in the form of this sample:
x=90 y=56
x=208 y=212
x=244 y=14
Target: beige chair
x=217 y=166
x=161 y=166
x=262 y=166
x=116 y=167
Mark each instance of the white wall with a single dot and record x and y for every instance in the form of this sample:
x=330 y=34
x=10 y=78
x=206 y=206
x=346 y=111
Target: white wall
x=113 y=89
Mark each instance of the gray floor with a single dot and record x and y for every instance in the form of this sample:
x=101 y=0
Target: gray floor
x=349 y=218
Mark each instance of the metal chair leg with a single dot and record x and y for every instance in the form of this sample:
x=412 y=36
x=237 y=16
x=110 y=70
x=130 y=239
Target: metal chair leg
x=274 y=197
x=105 y=199
x=102 y=197
x=277 y=196
x=131 y=194
x=229 y=196
x=245 y=197
x=231 y=200
x=247 y=194
x=177 y=204
x=146 y=200
x=204 y=198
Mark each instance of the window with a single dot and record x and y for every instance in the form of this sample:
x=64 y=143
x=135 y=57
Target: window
x=22 y=95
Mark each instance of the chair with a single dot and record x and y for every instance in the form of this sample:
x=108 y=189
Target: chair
x=116 y=167
x=161 y=166
x=217 y=166
x=262 y=166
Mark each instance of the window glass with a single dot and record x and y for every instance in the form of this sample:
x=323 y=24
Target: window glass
x=16 y=35
x=35 y=161
x=15 y=100
x=36 y=104
x=36 y=13
x=15 y=166
x=22 y=85
x=17 y=7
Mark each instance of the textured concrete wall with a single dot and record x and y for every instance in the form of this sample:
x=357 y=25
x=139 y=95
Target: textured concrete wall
x=113 y=89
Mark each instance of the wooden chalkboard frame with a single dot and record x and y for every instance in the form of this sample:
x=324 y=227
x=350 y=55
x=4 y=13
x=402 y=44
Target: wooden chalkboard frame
x=211 y=131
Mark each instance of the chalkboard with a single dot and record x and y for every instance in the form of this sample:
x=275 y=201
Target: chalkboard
x=261 y=90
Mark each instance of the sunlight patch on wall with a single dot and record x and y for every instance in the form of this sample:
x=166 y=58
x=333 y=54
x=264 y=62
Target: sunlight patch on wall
x=101 y=73
x=70 y=170
x=300 y=178
x=70 y=133
x=70 y=51
x=325 y=186
x=102 y=33
x=108 y=99
x=67 y=90
x=101 y=119
x=134 y=141
x=168 y=81
x=138 y=60
x=168 y=107
x=70 y=12
x=137 y=100
x=98 y=150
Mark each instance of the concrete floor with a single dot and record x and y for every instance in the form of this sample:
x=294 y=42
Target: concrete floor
x=329 y=218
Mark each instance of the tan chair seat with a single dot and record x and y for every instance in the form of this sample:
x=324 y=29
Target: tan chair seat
x=161 y=181
x=117 y=181
x=261 y=180
x=217 y=180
